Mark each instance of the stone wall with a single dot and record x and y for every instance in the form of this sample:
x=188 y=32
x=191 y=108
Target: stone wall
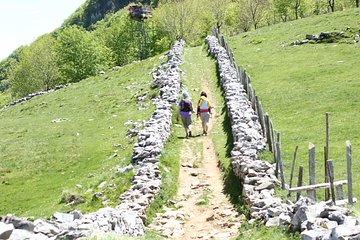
x=30 y=96
x=127 y=217
x=314 y=220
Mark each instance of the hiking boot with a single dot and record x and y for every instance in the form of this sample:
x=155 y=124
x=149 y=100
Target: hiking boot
x=190 y=135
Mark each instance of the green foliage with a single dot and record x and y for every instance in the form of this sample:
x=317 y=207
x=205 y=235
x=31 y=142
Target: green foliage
x=282 y=9
x=297 y=85
x=80 y=54
x=149 y=235
x=260 y=232
x=74 y=136
x=188 y=20
x=37 y=69
x=92 y=11
x=130 y=40
x=5 y=97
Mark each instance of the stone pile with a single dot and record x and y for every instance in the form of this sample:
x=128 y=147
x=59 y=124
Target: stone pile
x=314 y=220
x=326 y=37
x=30 y=96
x=127 y=217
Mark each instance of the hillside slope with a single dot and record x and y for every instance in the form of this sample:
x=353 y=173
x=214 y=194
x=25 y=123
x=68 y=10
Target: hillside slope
x=73 y=137
x=94 y=10
x=298 y=84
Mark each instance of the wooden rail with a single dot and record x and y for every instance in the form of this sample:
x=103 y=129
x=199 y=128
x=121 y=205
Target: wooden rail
x=317 y=186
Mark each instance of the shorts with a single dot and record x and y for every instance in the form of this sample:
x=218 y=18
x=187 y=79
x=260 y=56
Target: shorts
x=205 y=116
x=186 y=121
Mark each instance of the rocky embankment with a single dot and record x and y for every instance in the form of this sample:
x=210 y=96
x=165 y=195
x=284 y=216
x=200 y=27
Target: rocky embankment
x=127 y=217
x=314 y=220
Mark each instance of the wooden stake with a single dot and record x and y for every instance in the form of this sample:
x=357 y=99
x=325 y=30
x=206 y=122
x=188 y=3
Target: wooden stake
x=330 y=167
x=349 y=171
x=280 y=162
x=312 y=193
x=293 y=167
x=300 y=181
x=327 y=193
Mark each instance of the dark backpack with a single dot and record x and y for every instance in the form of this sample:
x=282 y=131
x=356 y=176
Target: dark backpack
x=186 y=106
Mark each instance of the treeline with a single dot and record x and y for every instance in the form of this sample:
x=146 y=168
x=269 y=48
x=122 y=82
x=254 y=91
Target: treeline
x=72 y=52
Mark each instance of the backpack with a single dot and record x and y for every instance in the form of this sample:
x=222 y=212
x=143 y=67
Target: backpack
x=186 y=106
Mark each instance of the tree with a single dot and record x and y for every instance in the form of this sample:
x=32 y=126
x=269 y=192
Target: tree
x=218 y=9
x=297 y=4
x=254 y=10
x=37 y=69
x=282 y=8
x=184 y=19
x=332 y=5
x=80 y=54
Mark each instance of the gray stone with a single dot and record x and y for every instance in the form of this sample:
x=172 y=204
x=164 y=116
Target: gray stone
x=6 y=230
x=346 y=232
x=264 y=185
x=49 y=229
x=24 y=224
x=64 y=217
x=273 y=222
x=302 y=214
x=337 y=217
x=20 y=234
x=317 y=234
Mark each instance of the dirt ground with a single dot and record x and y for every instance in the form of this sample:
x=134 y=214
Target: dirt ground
x=201 y=209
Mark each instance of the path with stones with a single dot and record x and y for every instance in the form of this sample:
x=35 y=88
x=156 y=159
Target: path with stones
x=201 y=210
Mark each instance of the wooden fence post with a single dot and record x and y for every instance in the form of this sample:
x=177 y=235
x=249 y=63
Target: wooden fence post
x=279 y=160
x=268 y=135
x=326 y=152
x=253 y=101
x=276 y=155
x=300 y=180
x=260 y=115
x=312 y=193
x=349 y=172
x=272 y=134
x=293 y=168
x=330 y=167
x=327 y=193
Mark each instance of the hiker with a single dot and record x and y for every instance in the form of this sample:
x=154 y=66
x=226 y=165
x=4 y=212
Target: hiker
x=204 y=111
x=185 y=111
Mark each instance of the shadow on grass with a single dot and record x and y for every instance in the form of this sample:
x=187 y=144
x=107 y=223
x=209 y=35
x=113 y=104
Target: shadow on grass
x=233 y=187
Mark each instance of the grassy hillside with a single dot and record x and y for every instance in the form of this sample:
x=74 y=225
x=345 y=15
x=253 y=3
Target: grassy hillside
x=41 y=160
x=298 y=84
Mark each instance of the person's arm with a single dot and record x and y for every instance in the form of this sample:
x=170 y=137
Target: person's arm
x=210 y=107
x=198 y=109
x=178 y=112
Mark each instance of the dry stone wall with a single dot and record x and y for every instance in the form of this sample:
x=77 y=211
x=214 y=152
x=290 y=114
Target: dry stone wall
x=127 y=217
x=313 y=220
x=30 y=96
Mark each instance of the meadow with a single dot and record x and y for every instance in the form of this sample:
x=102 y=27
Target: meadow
x=297 y=85
x=64 y=144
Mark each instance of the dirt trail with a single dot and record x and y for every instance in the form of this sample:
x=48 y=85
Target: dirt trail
x=201 y=209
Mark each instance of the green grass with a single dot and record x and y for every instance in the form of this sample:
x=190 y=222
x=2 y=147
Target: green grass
x=40 y=161
x=259 y=232
x=204 y=198
x=148 y=236
x=5 y=98
x=298 y=85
